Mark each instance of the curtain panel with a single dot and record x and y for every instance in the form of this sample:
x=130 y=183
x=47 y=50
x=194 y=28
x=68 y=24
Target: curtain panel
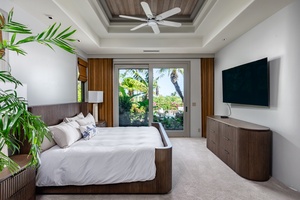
x=100 y=75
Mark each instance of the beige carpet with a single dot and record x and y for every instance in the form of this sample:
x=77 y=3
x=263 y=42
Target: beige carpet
x=199 y=175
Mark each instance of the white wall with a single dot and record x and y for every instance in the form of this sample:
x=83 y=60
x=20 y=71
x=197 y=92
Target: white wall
x=278 y=39
x=195 y=97
x=50 y=75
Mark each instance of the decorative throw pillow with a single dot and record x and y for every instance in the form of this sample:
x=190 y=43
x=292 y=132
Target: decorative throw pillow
x=88 y=131
x=69 y=119
x=65 y=134
x=89 y=119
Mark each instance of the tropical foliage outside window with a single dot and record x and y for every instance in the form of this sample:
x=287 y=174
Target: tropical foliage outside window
x=134 y=97
x=80 y=91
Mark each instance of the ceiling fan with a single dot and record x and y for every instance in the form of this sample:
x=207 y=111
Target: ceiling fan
x=152 y=20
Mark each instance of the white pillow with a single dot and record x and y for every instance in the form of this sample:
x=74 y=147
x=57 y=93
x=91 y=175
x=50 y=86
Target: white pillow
x=74 y=124
x=65 y=135
x=89 y=119
x=88 y=131
x=69 y=119
x=47 y=143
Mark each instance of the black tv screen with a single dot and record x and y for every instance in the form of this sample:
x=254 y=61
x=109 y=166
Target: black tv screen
x=247 y=84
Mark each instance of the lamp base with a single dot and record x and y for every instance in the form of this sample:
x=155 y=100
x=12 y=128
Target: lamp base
x=95 y=111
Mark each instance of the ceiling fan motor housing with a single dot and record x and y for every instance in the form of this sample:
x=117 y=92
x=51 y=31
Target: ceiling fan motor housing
x=151 y=22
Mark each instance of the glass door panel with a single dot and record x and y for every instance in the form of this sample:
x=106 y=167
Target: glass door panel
x=133 y=97
x=168 y=97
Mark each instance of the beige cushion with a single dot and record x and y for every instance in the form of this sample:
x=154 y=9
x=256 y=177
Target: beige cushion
x=74 y=124
x=65 y=134
x=47 y=143
x=69 y=119
x=89 y=119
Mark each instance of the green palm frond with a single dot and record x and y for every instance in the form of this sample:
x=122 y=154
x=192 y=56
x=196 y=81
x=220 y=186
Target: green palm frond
x=51 y=36
x=17 y=124
x=13 y=27
x=6 y=161
x=6 y=76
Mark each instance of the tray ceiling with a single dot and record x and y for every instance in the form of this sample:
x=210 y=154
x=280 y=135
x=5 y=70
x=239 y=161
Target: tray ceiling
x=207 y=25
x=114 y=8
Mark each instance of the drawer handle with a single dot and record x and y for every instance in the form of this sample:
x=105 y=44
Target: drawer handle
x=226 y=138
x=226 y=151
x=213 y=142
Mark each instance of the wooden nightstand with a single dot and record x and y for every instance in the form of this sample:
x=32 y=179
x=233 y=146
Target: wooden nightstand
x=20 y=186
x=101 y=124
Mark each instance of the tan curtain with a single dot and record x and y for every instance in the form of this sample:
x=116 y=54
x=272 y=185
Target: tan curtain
x=207 y=91
x=100 y=73
x=82 y=66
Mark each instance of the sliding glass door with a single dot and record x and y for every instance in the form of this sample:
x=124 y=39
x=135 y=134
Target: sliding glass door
x=156 y=92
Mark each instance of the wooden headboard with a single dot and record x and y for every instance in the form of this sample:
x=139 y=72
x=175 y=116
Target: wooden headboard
x=54 y=114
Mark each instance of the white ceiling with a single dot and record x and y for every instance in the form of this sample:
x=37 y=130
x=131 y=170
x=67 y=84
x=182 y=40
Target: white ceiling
x=218 y=23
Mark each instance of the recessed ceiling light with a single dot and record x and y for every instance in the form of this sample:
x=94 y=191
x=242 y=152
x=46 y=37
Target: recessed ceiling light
x=49 y=16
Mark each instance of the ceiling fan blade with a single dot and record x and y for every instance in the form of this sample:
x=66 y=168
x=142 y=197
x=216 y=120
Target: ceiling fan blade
x=168 y=13
x=155 y=29
x=169 y=23
x=139 y=26
x=147 y=9
x=135 y=18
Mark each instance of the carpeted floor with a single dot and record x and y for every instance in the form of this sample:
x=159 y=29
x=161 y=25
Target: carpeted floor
x=199 y=175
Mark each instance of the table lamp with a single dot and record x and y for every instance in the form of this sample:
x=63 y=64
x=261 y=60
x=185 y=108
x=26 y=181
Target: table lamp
x=95 y=97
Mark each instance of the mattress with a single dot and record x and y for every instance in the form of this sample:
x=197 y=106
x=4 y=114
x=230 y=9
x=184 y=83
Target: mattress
x=114 y=155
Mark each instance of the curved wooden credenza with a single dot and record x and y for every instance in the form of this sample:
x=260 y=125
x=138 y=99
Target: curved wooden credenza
x=54 y=114
x=244 y=147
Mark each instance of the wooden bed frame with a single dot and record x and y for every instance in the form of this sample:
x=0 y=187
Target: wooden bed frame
x=54 y=114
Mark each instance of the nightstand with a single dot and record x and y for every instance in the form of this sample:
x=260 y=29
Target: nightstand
x=20 y=186
x=101 y=124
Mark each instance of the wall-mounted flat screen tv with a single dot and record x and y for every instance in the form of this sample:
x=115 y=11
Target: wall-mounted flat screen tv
x=247 y=83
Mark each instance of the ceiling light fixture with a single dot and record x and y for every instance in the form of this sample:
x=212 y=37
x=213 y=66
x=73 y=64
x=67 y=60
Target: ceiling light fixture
x=49 y=16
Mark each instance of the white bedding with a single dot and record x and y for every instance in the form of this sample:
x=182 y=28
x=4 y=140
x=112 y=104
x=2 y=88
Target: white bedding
x=114 y=155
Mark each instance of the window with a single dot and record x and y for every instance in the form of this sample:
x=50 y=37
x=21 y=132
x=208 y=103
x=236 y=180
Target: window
x=82 y=78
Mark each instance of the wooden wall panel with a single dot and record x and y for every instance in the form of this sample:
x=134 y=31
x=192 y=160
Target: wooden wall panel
x=207 y=91
x=100 y=78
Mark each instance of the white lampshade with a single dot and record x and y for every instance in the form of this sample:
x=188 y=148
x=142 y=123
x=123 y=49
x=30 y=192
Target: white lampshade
x=95 y=96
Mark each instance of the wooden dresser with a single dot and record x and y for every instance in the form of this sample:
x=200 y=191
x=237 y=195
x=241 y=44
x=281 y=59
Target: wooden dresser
x=20 y=186
x=244 y=147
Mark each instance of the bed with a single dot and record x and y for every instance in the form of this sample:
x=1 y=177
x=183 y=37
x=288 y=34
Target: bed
x=162 y=183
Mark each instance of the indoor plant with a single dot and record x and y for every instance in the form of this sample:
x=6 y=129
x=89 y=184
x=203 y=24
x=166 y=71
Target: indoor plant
x=16 y=123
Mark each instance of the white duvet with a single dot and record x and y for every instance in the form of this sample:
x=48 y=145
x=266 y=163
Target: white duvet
x=114 y=155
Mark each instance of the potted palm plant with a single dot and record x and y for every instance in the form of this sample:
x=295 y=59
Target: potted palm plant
x=16 y=123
